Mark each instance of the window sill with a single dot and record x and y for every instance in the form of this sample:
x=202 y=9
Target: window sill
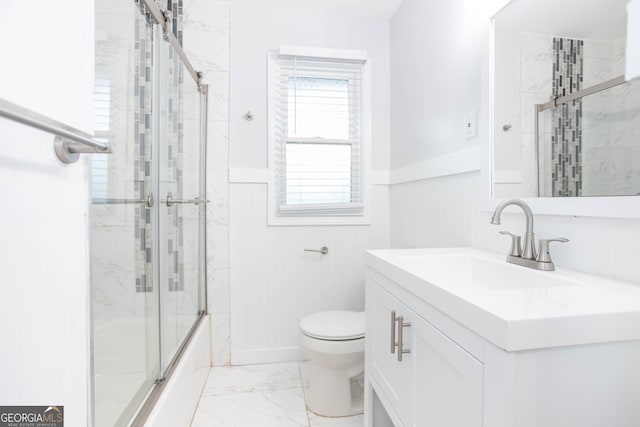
x=315 y=221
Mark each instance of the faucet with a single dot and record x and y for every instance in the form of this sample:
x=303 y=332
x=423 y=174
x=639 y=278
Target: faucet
x=526 y=256
x=529 y=250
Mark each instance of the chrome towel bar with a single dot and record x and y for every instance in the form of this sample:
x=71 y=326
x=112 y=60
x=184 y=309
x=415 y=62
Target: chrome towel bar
x=69 y=142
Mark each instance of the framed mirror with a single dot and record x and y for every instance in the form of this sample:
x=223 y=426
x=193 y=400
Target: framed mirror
x=565 y=126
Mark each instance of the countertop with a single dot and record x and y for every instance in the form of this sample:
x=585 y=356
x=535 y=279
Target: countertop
x=514 y=307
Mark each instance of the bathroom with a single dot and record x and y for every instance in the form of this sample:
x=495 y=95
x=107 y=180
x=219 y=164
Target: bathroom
x=428 y=185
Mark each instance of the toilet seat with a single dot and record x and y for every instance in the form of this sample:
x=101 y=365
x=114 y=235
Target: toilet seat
x=337 y=325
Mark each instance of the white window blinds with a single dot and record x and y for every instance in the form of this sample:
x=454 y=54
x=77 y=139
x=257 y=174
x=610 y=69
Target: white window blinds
x=101 y=118
x=317 y=136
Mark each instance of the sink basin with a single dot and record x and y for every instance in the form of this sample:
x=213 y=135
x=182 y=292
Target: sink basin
x=475 y=270
x=514 y=307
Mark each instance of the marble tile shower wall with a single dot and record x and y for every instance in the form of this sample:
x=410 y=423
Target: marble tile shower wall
x=206 y=42
x=611 y=127
x=535 y=88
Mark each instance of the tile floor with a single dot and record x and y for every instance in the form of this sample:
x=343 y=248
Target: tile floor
x=261 y=396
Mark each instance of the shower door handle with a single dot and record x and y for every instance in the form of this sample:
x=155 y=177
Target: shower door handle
x=148 y=201
x=170 y=201
x=105 y=201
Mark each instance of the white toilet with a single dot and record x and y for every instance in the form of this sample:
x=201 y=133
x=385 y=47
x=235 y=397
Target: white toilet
x=334 y=343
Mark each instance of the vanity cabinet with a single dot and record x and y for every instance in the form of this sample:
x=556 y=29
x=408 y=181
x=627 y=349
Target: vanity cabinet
x=467 y=366
x=433 y=382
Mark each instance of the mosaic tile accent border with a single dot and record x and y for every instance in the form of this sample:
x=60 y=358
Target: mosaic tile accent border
x=176 y=9
x=143 y=134
x=174 y=174
x=143 y=89
x=566 y=142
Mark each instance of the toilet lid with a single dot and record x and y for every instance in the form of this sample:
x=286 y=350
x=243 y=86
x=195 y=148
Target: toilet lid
x=334 y=325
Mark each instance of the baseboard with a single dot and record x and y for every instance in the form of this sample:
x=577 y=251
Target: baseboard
x=179 y=400
x=268 y=355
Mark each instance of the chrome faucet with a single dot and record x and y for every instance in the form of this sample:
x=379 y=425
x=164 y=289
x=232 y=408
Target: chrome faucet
x=526 y=256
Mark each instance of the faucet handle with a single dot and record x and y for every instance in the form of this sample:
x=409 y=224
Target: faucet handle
x=543 y=248
x=515 y=244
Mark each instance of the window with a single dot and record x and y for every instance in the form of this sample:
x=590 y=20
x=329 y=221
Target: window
x=317 y=140
x=101 y=116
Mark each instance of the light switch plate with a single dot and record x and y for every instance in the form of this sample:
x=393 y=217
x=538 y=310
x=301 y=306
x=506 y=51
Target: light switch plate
x=471 y=124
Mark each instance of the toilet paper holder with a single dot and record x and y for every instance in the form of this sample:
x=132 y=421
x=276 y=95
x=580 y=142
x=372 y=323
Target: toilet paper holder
x=323 y=250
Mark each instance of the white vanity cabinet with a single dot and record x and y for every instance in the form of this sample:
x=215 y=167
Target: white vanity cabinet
x=393 y=375
x=435 y=382
x=486 y=354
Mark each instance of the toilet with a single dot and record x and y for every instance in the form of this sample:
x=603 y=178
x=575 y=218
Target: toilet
x=334 y=343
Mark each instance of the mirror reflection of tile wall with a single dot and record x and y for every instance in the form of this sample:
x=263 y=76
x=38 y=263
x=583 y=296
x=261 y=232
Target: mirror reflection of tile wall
x=610 y=122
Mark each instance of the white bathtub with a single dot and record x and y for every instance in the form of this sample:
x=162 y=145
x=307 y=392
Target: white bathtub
x=126 y=364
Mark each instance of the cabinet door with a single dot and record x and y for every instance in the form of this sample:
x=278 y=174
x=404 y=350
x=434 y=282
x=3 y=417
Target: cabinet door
x=448 y=381
x=393 y=376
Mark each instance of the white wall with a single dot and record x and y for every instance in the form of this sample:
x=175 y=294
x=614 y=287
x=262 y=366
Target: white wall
x=255 y=31
x=447 y=211
x=273 y=281
x=435 y=48
x=47 y=66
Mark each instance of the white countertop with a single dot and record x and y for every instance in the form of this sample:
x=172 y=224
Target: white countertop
x=513 y=307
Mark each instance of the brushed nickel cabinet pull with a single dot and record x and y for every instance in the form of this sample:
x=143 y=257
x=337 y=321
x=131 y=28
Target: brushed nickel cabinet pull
x=393 y=331
x=401 y=349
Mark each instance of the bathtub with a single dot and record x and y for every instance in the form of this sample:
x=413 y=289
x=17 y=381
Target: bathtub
x=125 y=364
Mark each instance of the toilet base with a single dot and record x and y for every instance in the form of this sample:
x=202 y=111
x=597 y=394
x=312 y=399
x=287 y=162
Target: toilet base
x=335 y=392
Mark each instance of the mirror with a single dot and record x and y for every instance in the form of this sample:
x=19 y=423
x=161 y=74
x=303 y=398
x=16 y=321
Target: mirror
x=544 y=53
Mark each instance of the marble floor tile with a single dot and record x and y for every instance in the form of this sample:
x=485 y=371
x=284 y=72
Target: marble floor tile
x=269 y=395
x=318 y=421
x=252 y=378
x=274 y=408
x=305 y=372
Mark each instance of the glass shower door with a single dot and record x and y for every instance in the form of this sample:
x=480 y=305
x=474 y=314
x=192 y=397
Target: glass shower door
x=182 y=211
x=148 y=212
x=125 y=297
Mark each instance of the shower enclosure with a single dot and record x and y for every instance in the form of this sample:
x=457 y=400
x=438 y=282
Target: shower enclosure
x=147 y=216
